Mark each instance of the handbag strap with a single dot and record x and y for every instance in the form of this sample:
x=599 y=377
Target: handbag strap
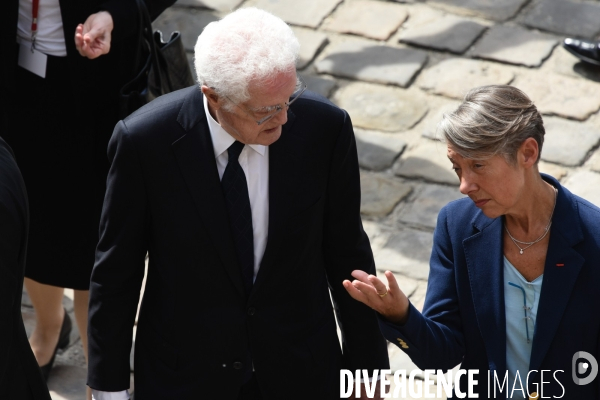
x=145 y=34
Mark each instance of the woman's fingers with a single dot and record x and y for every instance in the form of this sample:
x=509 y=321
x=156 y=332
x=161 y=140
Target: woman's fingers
x=360 y=275
x=354 y=292
x=392 y=282
x=379 y=286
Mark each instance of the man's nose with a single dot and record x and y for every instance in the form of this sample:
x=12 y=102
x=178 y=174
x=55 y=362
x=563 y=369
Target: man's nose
x=281 y=117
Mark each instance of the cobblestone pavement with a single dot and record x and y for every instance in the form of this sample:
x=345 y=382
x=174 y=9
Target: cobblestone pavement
x=396 y=67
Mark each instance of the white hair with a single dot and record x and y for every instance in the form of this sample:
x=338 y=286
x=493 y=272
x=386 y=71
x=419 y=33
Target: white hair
x=247 y=45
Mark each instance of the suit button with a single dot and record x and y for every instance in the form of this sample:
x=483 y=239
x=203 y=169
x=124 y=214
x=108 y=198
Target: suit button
x=238 y=365
x=533 y=396
x=251 y=311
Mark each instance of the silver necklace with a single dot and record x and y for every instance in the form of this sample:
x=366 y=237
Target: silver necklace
x=529 y=244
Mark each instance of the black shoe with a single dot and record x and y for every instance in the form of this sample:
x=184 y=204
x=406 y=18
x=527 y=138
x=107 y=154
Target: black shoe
x=588 y=52
x=63 y=342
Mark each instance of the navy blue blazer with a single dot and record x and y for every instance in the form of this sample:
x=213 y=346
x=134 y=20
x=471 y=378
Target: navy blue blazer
x=463 y=318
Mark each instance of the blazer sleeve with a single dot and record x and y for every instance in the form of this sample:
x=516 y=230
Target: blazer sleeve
x=434 y=339
x=119 y=269
x=346 y=248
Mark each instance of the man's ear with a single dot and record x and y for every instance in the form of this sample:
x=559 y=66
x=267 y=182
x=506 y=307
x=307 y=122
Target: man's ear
x=529 y=152
x=214 y=100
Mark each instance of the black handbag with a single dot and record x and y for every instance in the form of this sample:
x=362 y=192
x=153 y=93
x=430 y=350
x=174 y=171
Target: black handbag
x=161 y=67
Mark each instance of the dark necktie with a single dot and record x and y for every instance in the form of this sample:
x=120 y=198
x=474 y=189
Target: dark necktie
x=237 y=199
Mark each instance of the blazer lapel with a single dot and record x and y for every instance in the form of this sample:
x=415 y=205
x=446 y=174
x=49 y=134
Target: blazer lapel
x=562 y=267
x=483 y=252
x=196 y=159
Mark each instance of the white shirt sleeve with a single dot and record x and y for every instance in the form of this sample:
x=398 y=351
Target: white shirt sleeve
x=100 y=395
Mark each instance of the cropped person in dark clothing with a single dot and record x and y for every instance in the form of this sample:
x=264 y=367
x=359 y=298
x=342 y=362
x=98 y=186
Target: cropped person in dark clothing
x=59 y=85
x=20 y=376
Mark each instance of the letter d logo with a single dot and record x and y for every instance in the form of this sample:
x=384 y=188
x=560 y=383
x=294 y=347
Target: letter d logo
x=583 y=367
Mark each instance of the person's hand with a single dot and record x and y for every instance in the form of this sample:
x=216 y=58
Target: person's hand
x=92 y=38
x=376 y=393
x=390 y=302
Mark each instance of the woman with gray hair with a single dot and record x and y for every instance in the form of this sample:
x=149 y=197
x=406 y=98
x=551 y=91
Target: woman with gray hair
x=513 y=286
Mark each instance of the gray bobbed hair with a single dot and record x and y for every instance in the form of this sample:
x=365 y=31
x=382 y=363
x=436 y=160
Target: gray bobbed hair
x=493 y=120
x=246 y=45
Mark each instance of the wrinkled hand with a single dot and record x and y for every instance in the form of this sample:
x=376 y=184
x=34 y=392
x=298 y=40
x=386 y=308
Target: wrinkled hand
x=390 y=302
x=92 y=38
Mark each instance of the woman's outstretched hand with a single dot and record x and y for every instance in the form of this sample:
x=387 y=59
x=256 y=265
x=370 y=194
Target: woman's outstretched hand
x=390 y=301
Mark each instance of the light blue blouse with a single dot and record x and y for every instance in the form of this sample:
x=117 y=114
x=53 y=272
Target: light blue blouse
x=521 y=299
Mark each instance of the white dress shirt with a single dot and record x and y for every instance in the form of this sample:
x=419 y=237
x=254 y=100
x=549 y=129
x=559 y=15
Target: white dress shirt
x=254 y=160
x=50 y=35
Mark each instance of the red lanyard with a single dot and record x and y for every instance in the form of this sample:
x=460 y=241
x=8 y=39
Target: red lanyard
x=34 y=16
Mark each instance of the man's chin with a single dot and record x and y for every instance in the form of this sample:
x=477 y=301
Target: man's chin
x=270 y=136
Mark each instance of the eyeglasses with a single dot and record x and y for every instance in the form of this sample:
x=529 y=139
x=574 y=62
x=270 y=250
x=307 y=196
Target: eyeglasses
x=263 y=114
x=528 y=319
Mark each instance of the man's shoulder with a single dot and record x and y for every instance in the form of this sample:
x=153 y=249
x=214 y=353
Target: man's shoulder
x=163 y=113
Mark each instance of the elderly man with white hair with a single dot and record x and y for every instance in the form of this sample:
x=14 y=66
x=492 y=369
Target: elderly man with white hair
x=245 y=193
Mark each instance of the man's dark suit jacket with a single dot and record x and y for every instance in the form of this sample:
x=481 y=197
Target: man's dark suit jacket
x=463 y=319
x=20 y=376
x=196 y=327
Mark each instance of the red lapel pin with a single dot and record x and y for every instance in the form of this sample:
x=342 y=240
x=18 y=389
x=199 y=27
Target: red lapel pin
x=560 y=265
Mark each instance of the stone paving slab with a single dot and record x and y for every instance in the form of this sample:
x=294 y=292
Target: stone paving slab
x=373 y=19
x=377 y=151
x=311 y=42
x=515 y=45
x=565 y=17
x=454 y=77
x=568 y=142
x=67 y=382
x=406 y=252
x=564 y=63
x=585 y=184
x=427 y=161
x=406 y=284
x=552 y=169
x=319 y=84
x=189 y=22
x=218 y=5
x=309 y=13
x=594 y=162
x=381 y=108
x=426 y=205
x=354 y=60
x=380 y=194
x=378 y=234
x=439 y=107
x=498 y=10
x=560 y=95
x=417 y=298
x=444 y=32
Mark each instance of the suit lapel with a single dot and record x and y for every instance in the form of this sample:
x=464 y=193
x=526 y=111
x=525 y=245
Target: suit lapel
x=558 y=280
x=196 y=159
x=483 y=252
